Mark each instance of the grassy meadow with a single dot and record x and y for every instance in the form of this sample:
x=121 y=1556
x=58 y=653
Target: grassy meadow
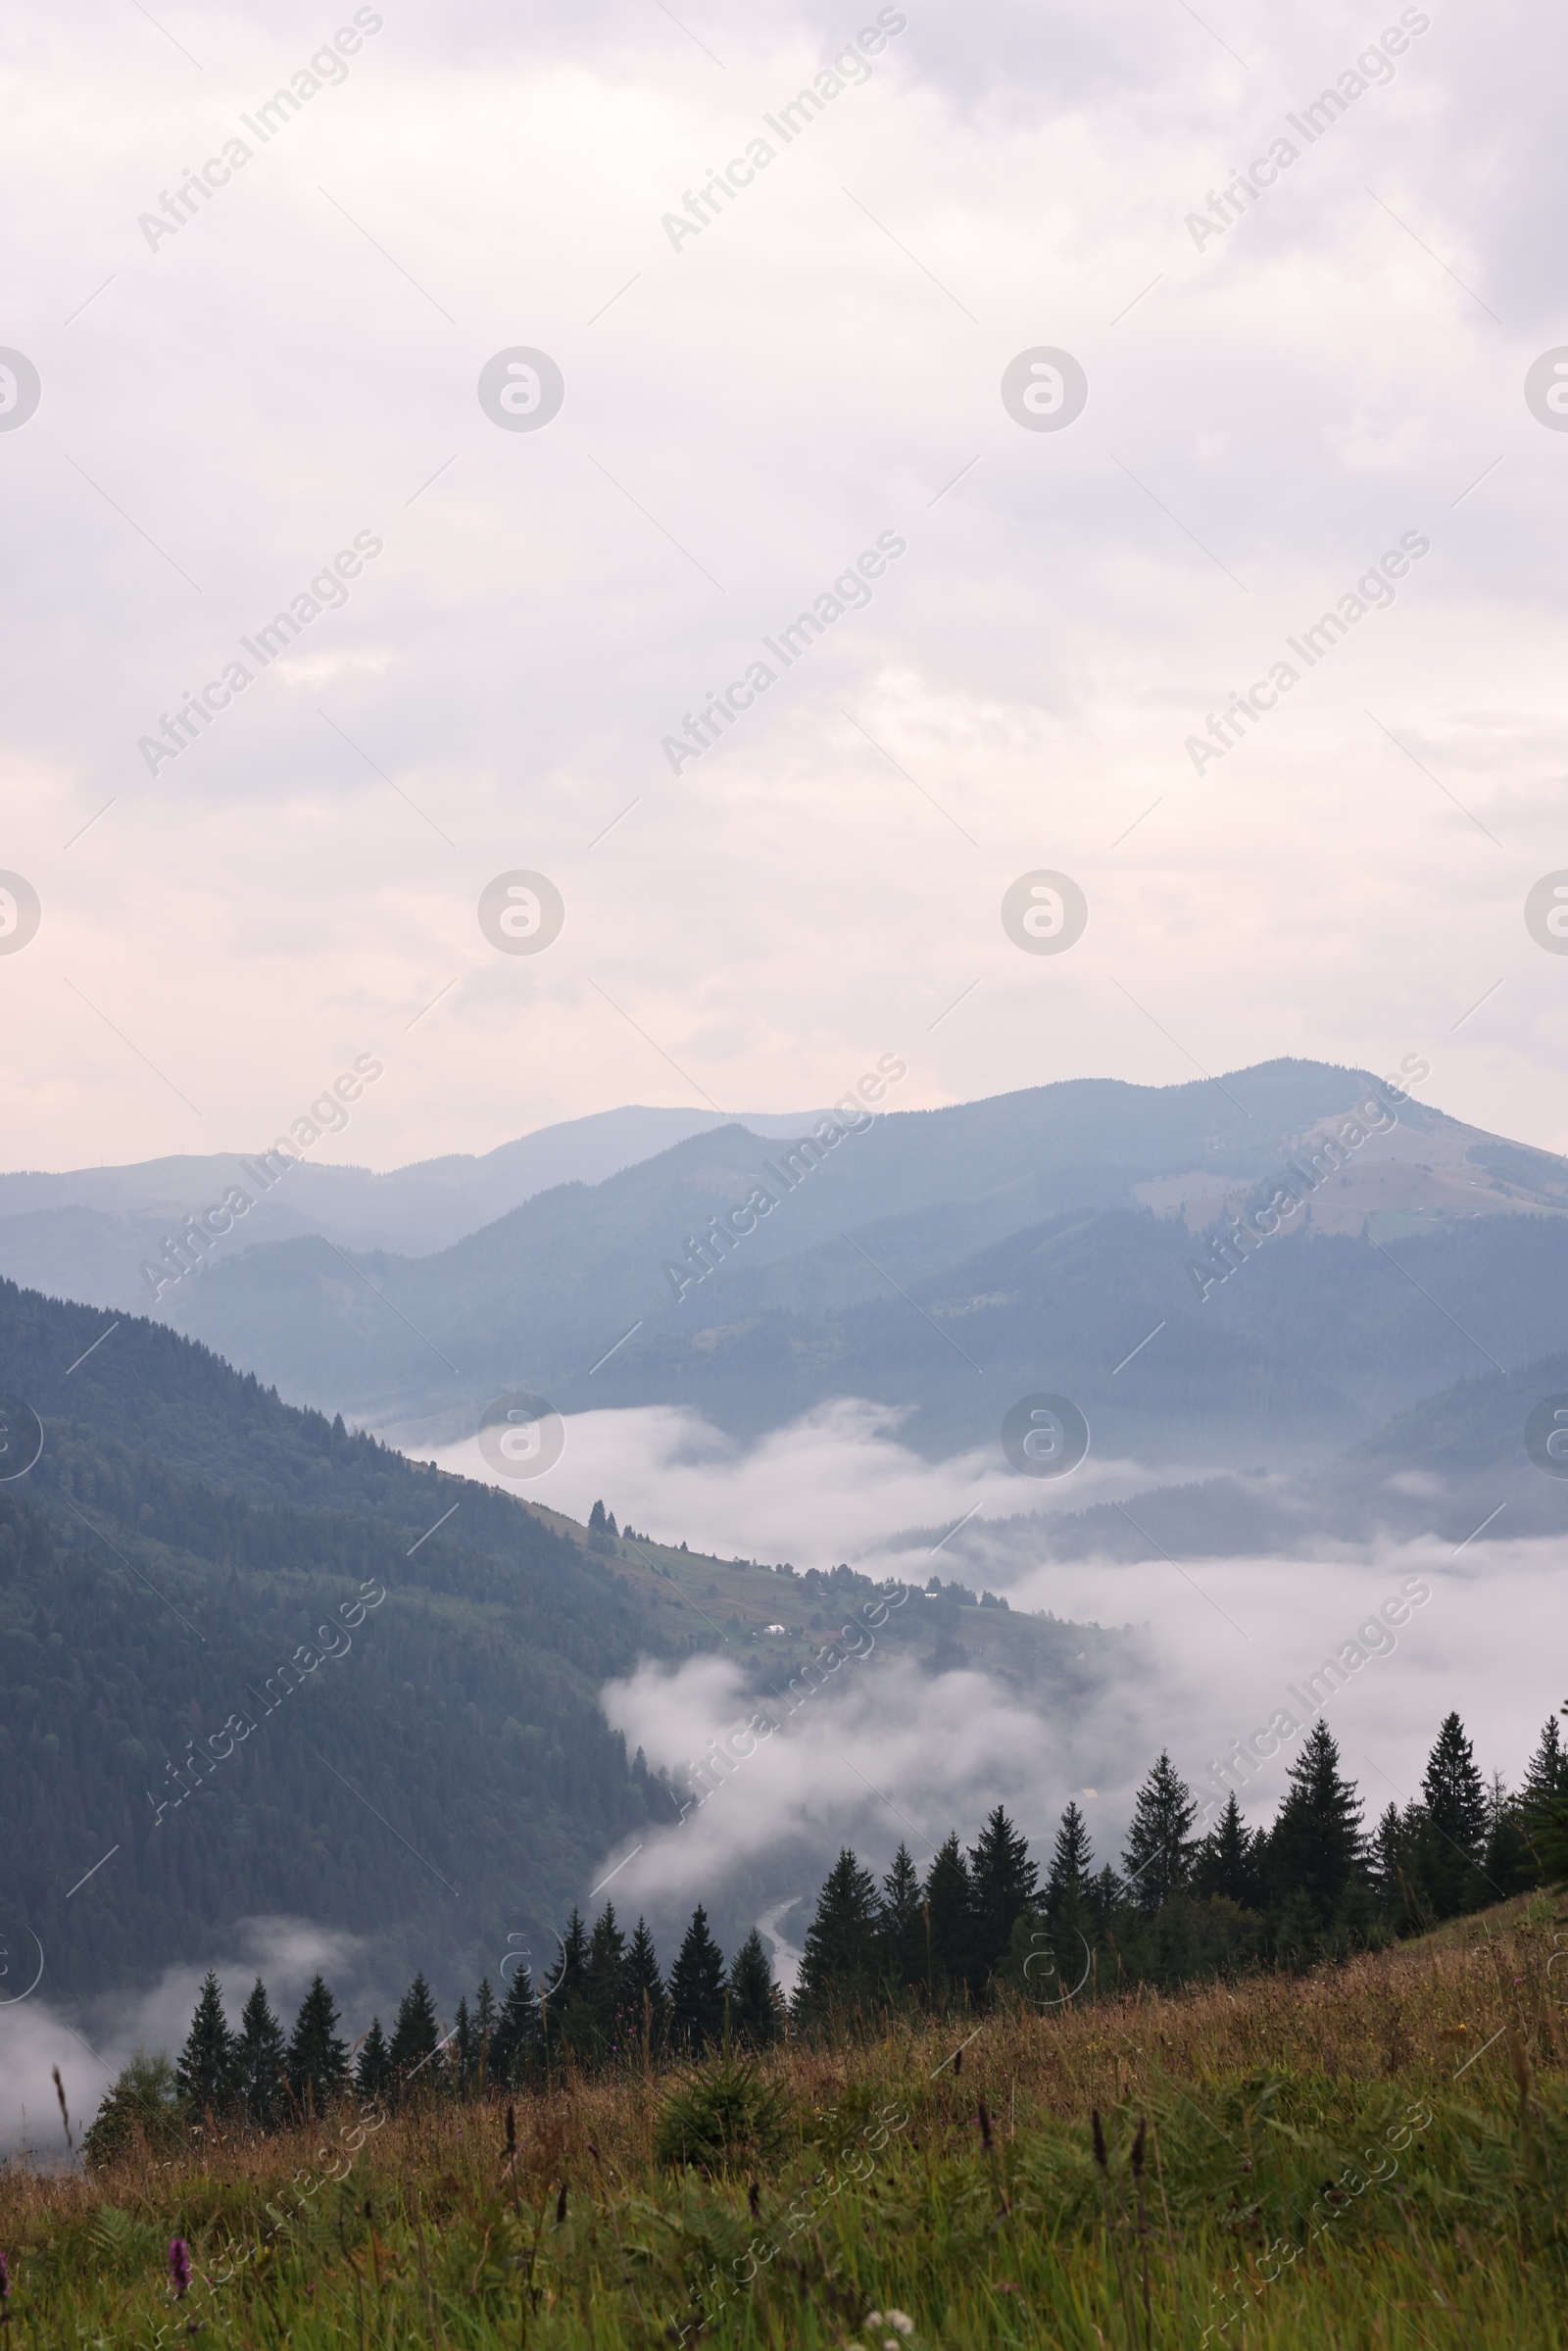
x=1375 y=2154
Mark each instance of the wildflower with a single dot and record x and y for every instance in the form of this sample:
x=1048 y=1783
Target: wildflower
x=5 y=2287
x=179 y=2264
x=902 y=2320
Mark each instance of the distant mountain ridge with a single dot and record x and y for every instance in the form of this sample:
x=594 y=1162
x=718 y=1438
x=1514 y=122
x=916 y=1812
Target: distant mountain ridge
x=950 y=1261
x=84 y=1233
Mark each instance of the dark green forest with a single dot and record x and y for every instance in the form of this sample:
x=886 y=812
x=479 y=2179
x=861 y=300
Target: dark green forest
x=984 y=1926
x=195 y=1669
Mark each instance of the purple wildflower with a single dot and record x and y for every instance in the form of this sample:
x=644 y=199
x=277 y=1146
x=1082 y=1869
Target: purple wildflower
x=5 y=2280
x=179 y=2264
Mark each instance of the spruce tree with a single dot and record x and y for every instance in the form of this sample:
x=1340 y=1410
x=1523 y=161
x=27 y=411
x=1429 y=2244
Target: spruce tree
x=1159 y=1859
x=1543 y=1804
x=1546 y=1772
x=464 y=2052
x=317 y=2061
x=1107 y=1894
x=518 y=2038
x=755 y=2000
x=1227 y=1861
x=900 y=1923
x=1316 y=1849
x=1454 y=1840
x=1507 y=1863
x=1069 y=1877
x=1001 y=1884
x=697 y=1988
x=372 y=2074
x=411 y=2058
x=485 y=2018
x=261 y=2061
x=569 y=1974
x=839 y=1964
x=645 y=1996
x=205 y=2072
x=950 y=1917
x=604 y=1977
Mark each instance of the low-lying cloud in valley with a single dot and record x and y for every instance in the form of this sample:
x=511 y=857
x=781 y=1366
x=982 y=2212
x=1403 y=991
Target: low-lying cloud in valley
x=91 y=2043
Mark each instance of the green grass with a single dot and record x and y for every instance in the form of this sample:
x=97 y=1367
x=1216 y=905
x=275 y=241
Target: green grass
x=1334 y=2161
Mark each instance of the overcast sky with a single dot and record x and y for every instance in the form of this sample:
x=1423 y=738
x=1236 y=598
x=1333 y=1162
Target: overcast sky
x=1271 y=408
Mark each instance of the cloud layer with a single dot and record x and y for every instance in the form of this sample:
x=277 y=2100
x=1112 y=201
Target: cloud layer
x=227 y=408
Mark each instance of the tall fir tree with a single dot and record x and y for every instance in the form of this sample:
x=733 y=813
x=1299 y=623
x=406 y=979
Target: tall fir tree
x=411 y=2058
x=486 y=2016
x=317 y=2061
x=205 y=2072
x=645 y=1996
x=1544 y=1803
x=1316 y=1849
x=900 y=1923
x=605 y=1979
x=755 y=2004
x=261 y=2061
x=1107 y=1894
x=950 y=1921
x=463 y=2055
x=1001 y=1884
x=697 y=1988
x=569 y=1975
x=373 y=2075
x=1454 y=1802
x=839 y=1964
x=1228 y=1861
x=1507 y=1862
x=1070 y=1873
x=518 y=2039
x=1546 y=1772
x=1159 y=1859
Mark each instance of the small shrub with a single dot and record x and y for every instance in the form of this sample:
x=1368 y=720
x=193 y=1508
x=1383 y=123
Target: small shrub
x=721 y=2116
x=145 y=2098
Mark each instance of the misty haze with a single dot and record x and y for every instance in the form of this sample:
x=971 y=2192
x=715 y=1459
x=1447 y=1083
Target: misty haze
x=784 y=1233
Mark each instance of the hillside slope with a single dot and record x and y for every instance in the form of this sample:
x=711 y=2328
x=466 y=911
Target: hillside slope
x=251 y=1663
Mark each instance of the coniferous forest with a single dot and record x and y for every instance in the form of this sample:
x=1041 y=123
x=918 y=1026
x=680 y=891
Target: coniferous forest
x=984 y=1926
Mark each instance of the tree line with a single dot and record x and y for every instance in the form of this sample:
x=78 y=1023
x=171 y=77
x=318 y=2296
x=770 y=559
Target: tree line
x=978 y=1927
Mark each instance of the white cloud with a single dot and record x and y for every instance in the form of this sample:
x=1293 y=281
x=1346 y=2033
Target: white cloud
x=835 y=1485
x=90 y=2041
x=279 y=376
